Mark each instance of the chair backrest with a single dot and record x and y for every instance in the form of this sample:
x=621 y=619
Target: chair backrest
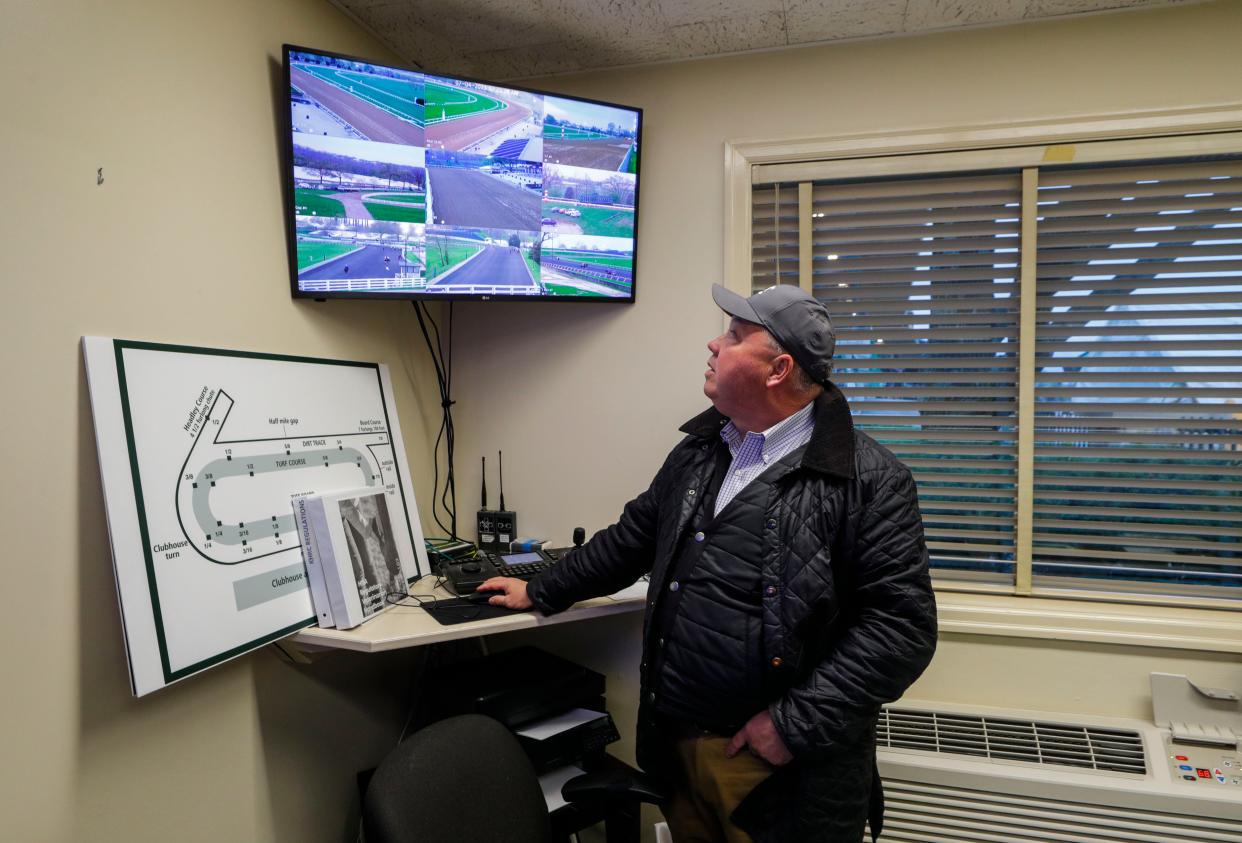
x=465 y=778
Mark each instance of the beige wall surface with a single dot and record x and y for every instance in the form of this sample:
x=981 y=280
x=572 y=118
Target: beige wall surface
x=183 y=242
x=585 y=399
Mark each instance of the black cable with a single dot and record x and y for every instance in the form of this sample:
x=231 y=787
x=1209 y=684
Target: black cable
x=450 y=482
x=450 y=497
x=442 y=360
x=435 y=462
x=452 y=604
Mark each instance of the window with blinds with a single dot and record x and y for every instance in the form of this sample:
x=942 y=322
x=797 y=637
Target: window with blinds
x=774 y=235
x=1136 y=274
x=1138 y=385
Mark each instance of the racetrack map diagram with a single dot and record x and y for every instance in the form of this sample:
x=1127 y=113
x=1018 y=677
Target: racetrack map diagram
x=214 y=460
x=202 y=452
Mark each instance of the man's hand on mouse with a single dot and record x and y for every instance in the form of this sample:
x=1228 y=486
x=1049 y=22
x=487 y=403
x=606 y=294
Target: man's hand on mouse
x=510 y=592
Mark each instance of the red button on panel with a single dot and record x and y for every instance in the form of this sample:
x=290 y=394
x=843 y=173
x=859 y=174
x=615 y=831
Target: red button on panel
x=1181 y=758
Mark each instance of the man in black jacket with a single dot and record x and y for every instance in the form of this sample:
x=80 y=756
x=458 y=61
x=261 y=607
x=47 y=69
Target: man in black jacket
x=789 y=594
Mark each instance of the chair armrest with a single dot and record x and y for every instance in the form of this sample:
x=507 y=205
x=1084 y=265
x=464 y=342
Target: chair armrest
x=613 y=785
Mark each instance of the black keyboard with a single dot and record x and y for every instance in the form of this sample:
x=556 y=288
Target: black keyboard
x=527 y=570
x=467 y=575
x=524 y=571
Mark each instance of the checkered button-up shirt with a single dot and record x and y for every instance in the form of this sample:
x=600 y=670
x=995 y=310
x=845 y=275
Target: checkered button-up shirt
x=753 y=452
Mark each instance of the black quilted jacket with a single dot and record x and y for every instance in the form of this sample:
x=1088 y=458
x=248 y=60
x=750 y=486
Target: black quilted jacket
x=850 y=623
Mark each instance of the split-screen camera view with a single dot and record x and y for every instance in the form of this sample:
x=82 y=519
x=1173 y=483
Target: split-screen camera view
x=409 y=183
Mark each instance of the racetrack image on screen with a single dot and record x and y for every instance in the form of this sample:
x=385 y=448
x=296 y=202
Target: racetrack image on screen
x=467 y=261
x=381 y=160
x=359 y=256
x=574 y=265
x=334 y=96
x=361 y=180
x=484 y=119
x=579 y=200
x=476 y=191
x=585 y=134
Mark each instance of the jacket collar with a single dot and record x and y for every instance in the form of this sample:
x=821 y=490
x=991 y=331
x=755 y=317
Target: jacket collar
x=831 y=449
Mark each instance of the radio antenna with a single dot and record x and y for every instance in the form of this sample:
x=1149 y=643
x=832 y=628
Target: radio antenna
x=483 y=494
x=500 y=455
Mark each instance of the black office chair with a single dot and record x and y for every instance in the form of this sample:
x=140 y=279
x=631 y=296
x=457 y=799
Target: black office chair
x=467 y=778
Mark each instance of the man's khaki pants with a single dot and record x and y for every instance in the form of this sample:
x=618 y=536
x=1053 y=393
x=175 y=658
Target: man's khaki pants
x=707 y=787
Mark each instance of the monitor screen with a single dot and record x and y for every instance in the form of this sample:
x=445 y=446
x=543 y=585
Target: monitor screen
x=520 y=558
x=404 y=184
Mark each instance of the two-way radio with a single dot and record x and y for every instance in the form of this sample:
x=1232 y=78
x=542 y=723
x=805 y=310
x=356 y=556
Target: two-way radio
x=496 y=558
x=497 y=527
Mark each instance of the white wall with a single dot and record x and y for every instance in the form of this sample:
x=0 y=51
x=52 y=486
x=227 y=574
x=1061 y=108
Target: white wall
x=585 y=400
x=183 y=242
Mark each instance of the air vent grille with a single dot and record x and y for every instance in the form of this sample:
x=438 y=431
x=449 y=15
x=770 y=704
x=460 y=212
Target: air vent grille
x=1035 y=742
x=926 y=813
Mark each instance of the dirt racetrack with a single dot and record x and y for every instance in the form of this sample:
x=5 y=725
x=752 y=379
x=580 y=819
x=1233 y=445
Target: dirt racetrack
x=371 y=122
x=601 y=154
x=454 y=135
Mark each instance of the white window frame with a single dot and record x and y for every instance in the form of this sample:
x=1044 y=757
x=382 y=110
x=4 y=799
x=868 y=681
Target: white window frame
x=1156 y=134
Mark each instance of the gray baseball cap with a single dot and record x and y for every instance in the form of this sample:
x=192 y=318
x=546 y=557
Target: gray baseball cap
x=795 y=318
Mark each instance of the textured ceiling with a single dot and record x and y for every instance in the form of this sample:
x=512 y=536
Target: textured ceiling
x=508 y=39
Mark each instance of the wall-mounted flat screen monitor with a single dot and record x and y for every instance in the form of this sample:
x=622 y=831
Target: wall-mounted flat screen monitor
x=411 y=185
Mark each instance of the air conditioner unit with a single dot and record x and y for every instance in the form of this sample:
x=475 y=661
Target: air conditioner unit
x=966 y=774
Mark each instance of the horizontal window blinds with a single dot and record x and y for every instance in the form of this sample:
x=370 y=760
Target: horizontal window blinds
x=920 y=276
x=1138 y=382
x=774 y=235
x=1137 y=377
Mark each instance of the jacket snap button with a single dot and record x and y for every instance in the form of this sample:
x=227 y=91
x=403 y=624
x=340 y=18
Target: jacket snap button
x=651 y=697
x=770 y=590
x=770 y=524
x=699 y=536
x=674 y=585
x=776 y=661
x=690 y=492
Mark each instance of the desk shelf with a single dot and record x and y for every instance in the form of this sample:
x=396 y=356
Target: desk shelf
x=409 y=626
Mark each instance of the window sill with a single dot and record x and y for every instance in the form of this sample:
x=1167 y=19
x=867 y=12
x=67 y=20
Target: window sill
x=1166 y=627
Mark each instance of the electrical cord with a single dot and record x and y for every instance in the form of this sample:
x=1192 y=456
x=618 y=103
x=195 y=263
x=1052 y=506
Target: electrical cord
x=431 y=603
x=442 y=360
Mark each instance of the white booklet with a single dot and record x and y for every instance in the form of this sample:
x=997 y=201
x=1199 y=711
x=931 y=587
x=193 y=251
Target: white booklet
x=314 y=565
x=362 y=558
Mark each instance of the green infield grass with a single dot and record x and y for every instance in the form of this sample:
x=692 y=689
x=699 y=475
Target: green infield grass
x=403 y=198
x=561 y=133
x=396 y=213
x=608 y=222
x=532 y=265
x=309 y=202
x=311 y=252
x=396 y=96
x=445 y=103
x=562 y=290
x=593 y=258
x=453 y=252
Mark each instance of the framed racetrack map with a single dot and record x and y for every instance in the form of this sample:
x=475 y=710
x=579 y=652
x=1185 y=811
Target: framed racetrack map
x=201 y=452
